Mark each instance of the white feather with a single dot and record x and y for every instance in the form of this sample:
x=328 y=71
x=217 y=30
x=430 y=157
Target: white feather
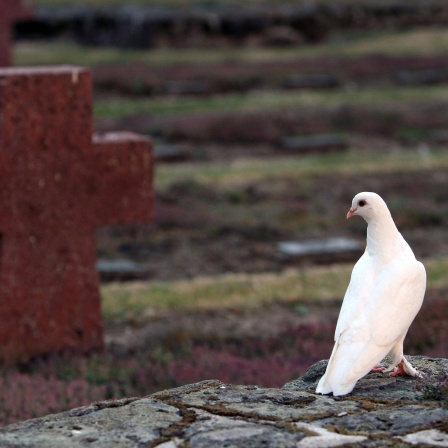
x=385 y=293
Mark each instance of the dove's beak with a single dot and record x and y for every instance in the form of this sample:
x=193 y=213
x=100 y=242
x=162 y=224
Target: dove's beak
x=351 y=212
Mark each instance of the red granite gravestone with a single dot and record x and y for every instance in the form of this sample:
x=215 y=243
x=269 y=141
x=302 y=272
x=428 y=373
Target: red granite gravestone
x=56 y=187
x=10 y=11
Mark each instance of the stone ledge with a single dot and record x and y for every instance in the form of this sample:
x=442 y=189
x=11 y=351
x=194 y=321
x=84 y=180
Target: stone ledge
x=382 y=411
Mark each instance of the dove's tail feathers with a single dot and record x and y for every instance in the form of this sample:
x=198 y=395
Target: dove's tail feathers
x=350 y=361
x=344 y=389
x=323 y=387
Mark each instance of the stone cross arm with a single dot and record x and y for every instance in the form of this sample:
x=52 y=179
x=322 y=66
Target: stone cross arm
x=124 y=187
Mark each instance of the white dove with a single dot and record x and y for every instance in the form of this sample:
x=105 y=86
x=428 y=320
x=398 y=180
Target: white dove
x=384 y=295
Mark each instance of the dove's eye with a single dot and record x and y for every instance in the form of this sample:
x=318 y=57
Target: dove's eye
x=362 y=203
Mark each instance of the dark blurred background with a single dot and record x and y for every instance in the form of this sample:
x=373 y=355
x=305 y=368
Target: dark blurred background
x=267 y=118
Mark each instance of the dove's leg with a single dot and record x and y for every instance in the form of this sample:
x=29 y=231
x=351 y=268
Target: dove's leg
x=400 y=365
x=399 y=370
x=404 y=368
x=397 y=356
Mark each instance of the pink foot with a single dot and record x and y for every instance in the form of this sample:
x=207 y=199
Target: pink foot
x=399 y=370
x=378 y=369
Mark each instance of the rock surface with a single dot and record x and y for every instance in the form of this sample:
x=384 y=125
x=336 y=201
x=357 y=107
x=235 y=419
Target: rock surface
x=382 y=411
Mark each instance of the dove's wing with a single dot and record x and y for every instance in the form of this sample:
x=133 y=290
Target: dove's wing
x=355 y=301
x=357 y=294
x=394 y=301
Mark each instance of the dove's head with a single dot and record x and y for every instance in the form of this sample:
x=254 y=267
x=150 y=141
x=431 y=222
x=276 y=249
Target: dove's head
x=368 y=205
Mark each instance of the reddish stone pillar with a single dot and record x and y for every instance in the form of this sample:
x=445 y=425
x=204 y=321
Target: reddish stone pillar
x=56 y=187
x=10 y=11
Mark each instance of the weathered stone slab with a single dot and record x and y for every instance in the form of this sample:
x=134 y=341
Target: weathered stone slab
x=170 y=153
x=395 y=387
x=317 y=247
x=314 y=143
x=390 y=412
x=421 y=77
x=119 y=269
x=432 y=437
x=122 y=423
